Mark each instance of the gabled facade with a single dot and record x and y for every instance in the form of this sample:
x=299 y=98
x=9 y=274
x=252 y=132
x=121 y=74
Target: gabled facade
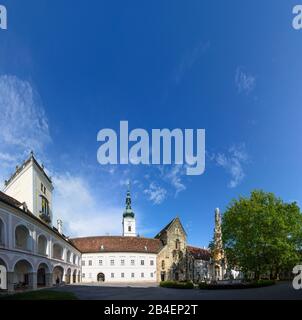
x=172 y=258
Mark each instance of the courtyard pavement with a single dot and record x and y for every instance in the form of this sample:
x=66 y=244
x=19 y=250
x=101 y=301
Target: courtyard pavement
x=280 y=291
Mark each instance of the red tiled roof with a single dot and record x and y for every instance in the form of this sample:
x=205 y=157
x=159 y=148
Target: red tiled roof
x=199 y=253
x=9 y=200
x=117 y=244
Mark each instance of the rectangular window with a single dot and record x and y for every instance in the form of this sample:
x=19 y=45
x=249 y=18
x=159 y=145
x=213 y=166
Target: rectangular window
x=42 y=187
x=90 y=262
x=100 y=262
x=45 y=206
x=132 y=262
x=122 y=262
x=83 y=275
x=132 y=275
x=142 y=275
x=112 y=262
x=142 y=262
x=151 y=262
x=83 y=262
x=122 y=275
x=151 y=274
x=112 y=275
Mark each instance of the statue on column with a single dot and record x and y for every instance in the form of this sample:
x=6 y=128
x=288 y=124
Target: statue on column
x=218 y=255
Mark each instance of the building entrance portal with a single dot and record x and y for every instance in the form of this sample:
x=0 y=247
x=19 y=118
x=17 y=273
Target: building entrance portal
x=101 y=277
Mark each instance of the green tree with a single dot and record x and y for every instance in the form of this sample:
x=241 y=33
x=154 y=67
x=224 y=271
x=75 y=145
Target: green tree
x=262 y=234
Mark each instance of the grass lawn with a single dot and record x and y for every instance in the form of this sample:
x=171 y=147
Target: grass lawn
x=40 y=295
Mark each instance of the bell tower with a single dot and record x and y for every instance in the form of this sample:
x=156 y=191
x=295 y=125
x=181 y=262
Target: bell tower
x=129 y=228
x=31 y=186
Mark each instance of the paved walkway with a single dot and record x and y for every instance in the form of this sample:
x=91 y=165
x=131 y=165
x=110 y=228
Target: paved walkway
x=280 y=291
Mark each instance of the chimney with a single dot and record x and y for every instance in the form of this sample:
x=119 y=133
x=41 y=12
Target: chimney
x=60 y=226
x=24 y=206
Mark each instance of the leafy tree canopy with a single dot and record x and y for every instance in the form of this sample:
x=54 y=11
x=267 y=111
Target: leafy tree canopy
x=261 y=233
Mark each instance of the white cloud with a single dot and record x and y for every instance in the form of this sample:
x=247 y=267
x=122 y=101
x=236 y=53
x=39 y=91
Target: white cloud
x=83 y=213
x=155 y=193
x=23 y=122
x=6 y=159
x=233 y=162
x=190 y=59
x=244 y=81
x=174 y=176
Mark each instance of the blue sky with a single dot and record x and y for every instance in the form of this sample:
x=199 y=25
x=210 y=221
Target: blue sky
x=69 y=69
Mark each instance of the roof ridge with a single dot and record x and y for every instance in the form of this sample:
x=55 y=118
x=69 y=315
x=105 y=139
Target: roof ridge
x=198 y=248
x=23 y=165
x=113 y=236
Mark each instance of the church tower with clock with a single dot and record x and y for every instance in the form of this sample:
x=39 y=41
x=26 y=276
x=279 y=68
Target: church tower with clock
x=129 y=227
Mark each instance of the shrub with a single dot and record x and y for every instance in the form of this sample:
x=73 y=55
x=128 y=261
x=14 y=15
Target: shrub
x=177 y=284
x=246 y=285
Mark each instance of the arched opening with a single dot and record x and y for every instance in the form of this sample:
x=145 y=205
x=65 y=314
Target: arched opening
x=163 y=264
x=3 y=275
x=57 y=275
x=176 y=276
x=68 y=256
x=74 y=276
x=217 y=272
x=2 y=237
x=68 y=276
x=23 y=273
x=101 y=277
x=163 y=276
x=79 y=276
x=22 y=238
x=42 y=272
x=57 y=252
x=42 y=245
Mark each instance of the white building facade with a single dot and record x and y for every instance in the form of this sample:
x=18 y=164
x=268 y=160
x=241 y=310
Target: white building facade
x=33 y=253
x=119 y=267
x=126 y=258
